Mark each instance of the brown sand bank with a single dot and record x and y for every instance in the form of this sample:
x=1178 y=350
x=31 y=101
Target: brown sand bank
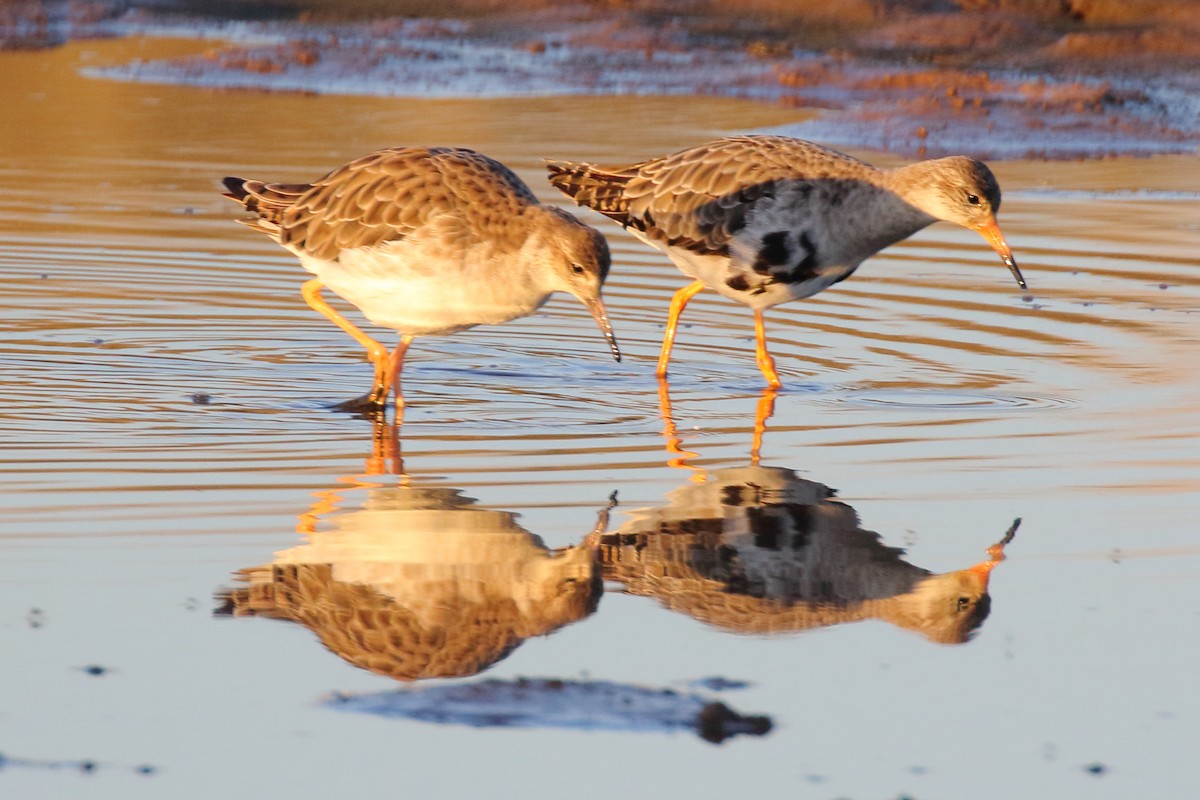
x=999 y=78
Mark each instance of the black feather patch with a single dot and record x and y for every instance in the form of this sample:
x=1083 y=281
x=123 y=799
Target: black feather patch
x=807 y=268
x=774 y=252
x=739 y=283
x=236 y=187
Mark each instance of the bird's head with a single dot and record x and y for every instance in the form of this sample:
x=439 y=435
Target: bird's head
x=577 y=262
x=963 y=191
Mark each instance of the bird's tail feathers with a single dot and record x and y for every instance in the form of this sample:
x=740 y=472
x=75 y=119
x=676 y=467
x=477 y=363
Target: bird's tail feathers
x=597 y=188
x=268 y=201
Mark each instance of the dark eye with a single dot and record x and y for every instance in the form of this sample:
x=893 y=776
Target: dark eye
x=973 y=199
x=577 y=269
x=963 y=603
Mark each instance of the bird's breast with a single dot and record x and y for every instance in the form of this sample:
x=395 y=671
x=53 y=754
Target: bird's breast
x=423 y=297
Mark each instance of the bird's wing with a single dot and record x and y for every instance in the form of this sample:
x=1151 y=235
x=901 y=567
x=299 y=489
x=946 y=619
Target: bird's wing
x=390 y=194
x=699 y=199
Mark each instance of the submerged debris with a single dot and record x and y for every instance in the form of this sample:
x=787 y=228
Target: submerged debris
x=556 y=703
x=87 y=766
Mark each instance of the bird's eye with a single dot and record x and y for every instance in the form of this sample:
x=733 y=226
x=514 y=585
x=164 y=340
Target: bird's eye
x=963 y=603
x=578 y=269
x=973 y=199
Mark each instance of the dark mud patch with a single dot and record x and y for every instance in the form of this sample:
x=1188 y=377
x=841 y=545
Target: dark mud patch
x=553 y=703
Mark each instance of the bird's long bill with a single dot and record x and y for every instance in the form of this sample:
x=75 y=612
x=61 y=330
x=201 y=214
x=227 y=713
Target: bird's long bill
x=991 y=231
x=596 y=306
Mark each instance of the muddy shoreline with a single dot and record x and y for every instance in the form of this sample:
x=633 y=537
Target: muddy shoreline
x=995 y=78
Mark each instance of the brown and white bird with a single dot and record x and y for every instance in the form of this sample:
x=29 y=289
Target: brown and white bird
x=767 y=219
x=427 y=241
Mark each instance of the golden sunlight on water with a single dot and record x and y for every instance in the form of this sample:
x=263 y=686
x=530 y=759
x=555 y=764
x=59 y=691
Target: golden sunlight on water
x=165 y=420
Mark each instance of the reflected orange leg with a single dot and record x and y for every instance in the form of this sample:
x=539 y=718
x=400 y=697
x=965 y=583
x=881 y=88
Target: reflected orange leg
x=385 y=446
x=762 y=413
x=765 y=362
x=678 y=302
x=311 y=290
x=674 y=444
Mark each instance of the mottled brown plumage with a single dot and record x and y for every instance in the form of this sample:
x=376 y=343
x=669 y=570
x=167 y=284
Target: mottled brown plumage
x=391 y=194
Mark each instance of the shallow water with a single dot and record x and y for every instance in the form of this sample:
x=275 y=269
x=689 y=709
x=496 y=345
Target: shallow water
x=165 y=424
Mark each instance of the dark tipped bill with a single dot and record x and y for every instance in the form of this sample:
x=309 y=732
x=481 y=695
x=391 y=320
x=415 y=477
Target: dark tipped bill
x=596 y=306
x=991 y=231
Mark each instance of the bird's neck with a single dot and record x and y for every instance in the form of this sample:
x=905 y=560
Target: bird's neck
x=883 y=216
x=913 y=183
x=532 y=264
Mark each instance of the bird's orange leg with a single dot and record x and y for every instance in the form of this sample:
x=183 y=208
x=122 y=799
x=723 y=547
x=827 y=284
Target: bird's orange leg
x=765 y=362
x=677 y=305
x=376 y=352
x=395 y=363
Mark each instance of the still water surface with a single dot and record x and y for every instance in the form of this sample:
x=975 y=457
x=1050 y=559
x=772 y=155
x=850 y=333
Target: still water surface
x=165 y=426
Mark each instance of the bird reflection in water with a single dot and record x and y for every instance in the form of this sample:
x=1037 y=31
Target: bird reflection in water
x=418 y=582
x=759 y=550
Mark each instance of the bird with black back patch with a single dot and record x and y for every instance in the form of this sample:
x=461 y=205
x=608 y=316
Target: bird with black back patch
x=767 y=219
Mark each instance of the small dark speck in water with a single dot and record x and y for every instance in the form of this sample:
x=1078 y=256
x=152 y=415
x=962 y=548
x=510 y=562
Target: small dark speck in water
x=1088 y=304
x=1028 y=298
x=1096 y=769
x=87 y=766
x=1164 y=286
x=815 y=778
x=147 y=769
x=97 y=341
x=918 y=770
x=45 y=276
x=95 y=669
x=36 y=618
x=201 y=398
x=1116 y=556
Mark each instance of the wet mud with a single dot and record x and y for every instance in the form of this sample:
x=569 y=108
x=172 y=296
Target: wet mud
x=997 y=78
